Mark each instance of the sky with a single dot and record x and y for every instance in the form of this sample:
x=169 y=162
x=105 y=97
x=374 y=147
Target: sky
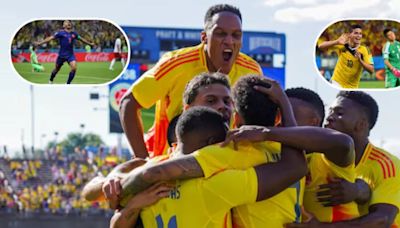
x=63 y=109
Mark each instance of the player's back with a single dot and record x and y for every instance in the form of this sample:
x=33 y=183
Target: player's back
x=274 y=212
x=203 y=202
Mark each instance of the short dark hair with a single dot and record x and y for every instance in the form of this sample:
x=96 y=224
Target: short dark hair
x=366 y=102
x=201 y=119
x=201 y=80
x=171 y=136
x=386 y=31
x=221 y=8
x=254 y=107
x=355 y=26
x=310 y=97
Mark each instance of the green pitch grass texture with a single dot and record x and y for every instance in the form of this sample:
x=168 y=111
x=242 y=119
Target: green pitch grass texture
x=148 y=118
x=87 y=73
x=372 y=84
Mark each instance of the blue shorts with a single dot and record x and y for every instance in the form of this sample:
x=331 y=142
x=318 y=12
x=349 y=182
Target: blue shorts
x=60 y=60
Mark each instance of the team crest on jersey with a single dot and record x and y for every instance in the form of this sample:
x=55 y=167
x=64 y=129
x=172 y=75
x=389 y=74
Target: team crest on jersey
x=73 y=35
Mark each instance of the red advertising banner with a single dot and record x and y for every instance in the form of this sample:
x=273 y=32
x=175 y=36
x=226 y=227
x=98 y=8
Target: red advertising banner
x=47 y=57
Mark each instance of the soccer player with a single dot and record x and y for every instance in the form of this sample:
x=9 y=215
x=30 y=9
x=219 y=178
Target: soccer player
x=207 y=89
x=355 y=113
x=117 y=53
x=253 y=107
x=391 y=56
x=36 y=66
x=164 y=84
x=206 y=202
x=353 y=58
x=66 y=39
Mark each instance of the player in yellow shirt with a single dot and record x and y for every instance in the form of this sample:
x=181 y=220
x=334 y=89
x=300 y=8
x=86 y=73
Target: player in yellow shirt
x=207 y=89
x=164 y=84
x=355 y=113
x=214 y=197
x=276 y=211
x=353 y=58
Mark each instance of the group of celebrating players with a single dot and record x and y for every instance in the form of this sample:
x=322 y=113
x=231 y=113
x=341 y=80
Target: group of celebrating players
x=277 y=166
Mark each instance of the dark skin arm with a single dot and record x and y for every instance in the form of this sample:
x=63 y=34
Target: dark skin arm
x=340 y=191
x=337 y=147
x=131 y=121
x=379 y=216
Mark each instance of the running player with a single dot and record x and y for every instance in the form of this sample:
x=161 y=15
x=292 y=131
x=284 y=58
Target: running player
x=391 y=56
x=353 y=58
x=164 y=84
x=66 y=39
x=117 y=54
x=355 y=113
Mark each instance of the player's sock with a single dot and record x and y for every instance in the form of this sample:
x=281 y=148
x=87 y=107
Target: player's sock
x=53 y=75
x=112 y=64
x=37 y=67
x=71 y=76
x=123 y=62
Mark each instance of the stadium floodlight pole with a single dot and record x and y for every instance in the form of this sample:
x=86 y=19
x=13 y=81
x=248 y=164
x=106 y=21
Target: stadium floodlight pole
x=32 y=121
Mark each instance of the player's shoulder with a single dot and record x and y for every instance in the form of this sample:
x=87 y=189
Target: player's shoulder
x=247 y=62
x=387 y=162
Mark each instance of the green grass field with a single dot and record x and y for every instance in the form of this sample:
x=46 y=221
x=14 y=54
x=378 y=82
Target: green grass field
x=148 y=117
x=372 y=85
x=87 y=73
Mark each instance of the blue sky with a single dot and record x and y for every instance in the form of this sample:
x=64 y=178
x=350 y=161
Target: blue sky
x=62 y=109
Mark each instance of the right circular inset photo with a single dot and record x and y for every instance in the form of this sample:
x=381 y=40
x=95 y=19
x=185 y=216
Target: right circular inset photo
x=360 y=54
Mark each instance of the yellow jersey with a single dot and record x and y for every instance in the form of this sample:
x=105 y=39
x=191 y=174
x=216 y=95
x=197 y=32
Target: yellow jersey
x=379 y=169
x=321 y=170
x=274 y=212
x=165 y=83
x=348 y=68
x=203 y=202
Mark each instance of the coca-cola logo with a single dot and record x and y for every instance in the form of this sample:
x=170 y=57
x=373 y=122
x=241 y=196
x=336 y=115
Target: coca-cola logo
x=97 y=57
x=47 y=57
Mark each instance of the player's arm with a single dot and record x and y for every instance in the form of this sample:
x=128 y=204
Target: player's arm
x=86 y=41
x=127 y=217
x=131 y=121
x=46 y=40
x=339 y=41
x=94 y=190
x=379 y=216
x=364 y=64
x=337 y=147
x=277 y=176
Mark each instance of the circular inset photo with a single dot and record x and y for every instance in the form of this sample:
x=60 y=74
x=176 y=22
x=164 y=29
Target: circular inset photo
x=70 y=51
x=360 y=54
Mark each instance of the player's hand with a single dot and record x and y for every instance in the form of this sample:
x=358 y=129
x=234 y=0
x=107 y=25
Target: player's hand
x=338 y=191
x=343 y=39
x=36 y=43
x=150 y=196
x=309 y=221
x=111 y=190
x=396 y=72
x=245 y=133
x=275 y=92
x=358 y=55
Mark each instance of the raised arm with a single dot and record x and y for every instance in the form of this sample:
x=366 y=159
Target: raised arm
x=131 y=121
x=86 y=41
x=327 y=44
x=48 y=39
x=337 y=147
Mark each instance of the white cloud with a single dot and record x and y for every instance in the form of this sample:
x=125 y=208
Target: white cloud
x=317 y=10
x=274 y=2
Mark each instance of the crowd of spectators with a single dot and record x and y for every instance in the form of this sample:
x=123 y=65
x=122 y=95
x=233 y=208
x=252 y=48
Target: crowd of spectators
x=53 y=183
x=102 y=33
x=372 y=31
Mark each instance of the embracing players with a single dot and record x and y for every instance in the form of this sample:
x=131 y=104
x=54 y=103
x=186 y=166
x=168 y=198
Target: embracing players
x=66 y=38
